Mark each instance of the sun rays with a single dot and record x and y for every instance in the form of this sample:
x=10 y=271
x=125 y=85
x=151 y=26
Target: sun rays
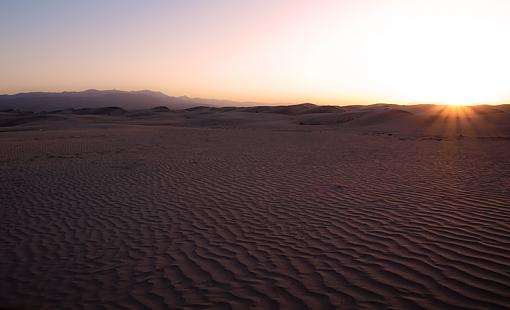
x=457 y=121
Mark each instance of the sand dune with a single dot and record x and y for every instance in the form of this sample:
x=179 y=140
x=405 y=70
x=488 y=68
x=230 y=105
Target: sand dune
x=407 y=121
x=217 y=209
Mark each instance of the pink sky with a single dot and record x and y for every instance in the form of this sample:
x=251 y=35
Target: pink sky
x=329 y=52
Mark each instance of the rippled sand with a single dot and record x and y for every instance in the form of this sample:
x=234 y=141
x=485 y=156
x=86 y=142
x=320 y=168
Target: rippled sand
x=164 y=217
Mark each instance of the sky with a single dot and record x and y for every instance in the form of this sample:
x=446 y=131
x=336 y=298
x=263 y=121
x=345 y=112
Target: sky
x=276 y=51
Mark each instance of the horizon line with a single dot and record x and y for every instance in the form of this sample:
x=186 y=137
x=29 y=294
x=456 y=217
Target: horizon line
x=496 y=103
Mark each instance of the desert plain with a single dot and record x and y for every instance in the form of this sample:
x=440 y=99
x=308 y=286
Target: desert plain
x=362 y=207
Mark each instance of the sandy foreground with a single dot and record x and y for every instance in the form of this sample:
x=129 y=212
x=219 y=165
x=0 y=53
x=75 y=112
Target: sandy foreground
x=131 y=215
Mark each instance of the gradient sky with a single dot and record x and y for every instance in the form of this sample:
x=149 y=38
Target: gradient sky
x=329 y=52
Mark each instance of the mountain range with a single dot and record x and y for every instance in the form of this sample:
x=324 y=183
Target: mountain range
x=92 y=98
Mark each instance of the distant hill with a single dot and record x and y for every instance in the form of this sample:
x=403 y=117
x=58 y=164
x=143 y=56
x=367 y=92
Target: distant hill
x=92 y=98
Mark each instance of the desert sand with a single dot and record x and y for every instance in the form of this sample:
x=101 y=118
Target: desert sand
x=288 y=207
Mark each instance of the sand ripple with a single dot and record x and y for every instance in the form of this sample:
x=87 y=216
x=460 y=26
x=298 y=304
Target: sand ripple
x=184 y=218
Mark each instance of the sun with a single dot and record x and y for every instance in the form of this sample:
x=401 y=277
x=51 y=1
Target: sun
x=457 y=104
